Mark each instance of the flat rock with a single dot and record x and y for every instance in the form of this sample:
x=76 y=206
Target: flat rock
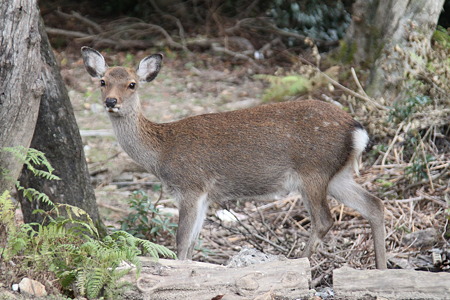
x=349 y=283
x=421 y=239
x=251 y=256
x=32 y=287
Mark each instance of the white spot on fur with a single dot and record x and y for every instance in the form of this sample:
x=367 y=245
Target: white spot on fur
x=292 y=183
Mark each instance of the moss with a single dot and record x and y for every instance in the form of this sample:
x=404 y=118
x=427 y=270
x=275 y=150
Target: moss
x=442 y=37
x=376 y=45
x=285 y=86
x=346 y=52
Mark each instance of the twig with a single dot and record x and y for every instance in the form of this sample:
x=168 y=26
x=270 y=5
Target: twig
x=113 y=208
x=397 y=132
x=168 y=37
x=68 y=33
x=84 y=37
x=355 y=78
x=316 y=281
x=407 y=200
x=173 y=18
x=353 y=93
x=426 y=164
x=85 y=20
x=88 y=22
x=444 y=172
x=261 y=215
x=215 y=47
x=294 y=203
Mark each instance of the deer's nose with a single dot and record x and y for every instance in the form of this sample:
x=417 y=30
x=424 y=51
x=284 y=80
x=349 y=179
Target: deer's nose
x=110 y=102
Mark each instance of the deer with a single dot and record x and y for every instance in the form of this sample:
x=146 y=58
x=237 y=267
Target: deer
x=309 y=148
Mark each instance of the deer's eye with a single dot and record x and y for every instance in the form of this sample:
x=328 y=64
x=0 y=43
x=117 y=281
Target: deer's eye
x=102 y=83
x=132 y=85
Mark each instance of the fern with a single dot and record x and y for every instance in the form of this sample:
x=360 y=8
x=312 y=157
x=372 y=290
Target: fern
x=7 y=211
x=32 y=194
x=32 y=158
x=69 y=244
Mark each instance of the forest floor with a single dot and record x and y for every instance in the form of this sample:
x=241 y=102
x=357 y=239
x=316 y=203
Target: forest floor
x=204 y=84
x=416 y=213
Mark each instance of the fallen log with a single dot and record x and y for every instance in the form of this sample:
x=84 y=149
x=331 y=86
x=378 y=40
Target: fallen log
x=175 y=279
x=349 y=284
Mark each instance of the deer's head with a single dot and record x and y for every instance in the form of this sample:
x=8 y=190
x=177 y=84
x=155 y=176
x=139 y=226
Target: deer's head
x=119 y=84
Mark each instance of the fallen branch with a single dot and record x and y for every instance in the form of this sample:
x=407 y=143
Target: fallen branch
x=349 y=91
x=97 y=28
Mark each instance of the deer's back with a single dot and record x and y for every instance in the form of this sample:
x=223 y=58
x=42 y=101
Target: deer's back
x=252 y=148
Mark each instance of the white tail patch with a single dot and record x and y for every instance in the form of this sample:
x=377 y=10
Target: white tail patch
x=360 y=141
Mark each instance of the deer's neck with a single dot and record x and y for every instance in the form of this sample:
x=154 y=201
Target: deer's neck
x=138 y=137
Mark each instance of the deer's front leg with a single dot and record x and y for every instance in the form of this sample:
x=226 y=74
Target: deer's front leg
x=192 y=213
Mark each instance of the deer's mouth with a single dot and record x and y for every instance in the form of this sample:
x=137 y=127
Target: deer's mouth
x=114 y=109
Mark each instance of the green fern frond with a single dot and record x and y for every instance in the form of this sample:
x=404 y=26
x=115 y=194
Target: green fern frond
x=7 y=211
x=33 y=194
x=155 y=249
x=31 y=158
x=96 y=280
x=80 y=282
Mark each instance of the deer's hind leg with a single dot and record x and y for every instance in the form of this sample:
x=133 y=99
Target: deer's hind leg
x=343 y=188
x=314 y=194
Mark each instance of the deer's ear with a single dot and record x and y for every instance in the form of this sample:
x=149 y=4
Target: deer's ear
x=149 y=67
x=94 y=62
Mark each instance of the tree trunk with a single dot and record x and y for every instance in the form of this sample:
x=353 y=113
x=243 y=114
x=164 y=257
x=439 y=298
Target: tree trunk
x=393 y=38
x=57 y=135
x=21 y=85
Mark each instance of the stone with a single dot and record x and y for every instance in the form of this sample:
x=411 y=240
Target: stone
x=32 y=287
x=421 y=238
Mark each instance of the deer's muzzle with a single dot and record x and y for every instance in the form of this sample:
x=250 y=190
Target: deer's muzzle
x=110 y=102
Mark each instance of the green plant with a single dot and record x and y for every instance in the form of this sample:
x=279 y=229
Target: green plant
x=71 y=249
x=67 y=249
x=442 y=36
x=418 y=169
x=404 y=109
x=146 y=220
x=314 y=18
x=284 y=86
x=36 y=162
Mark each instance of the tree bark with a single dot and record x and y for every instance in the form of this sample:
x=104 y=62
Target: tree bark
x=21 y=85
x=57 y=135
x=393 y=38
